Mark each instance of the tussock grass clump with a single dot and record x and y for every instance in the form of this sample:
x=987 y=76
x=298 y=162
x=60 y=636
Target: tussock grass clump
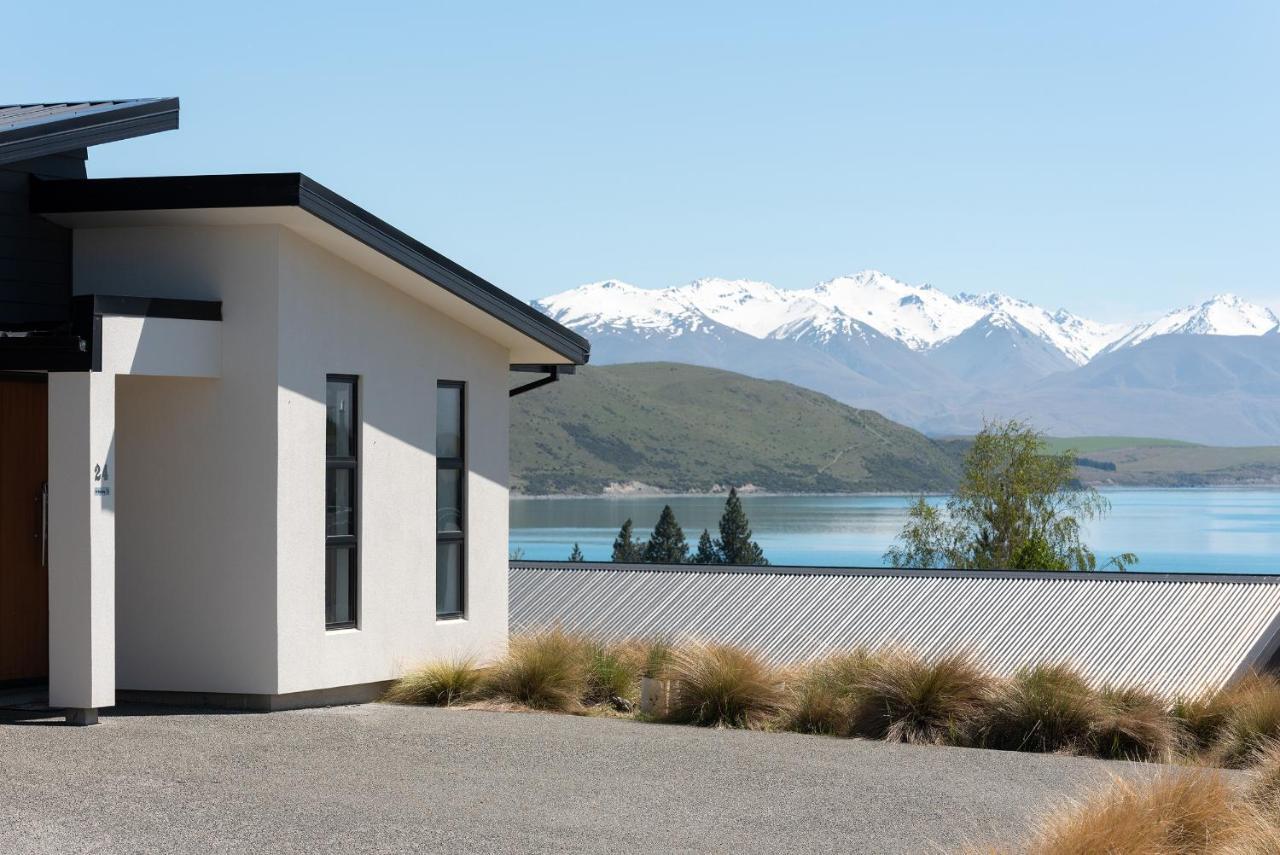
x=1046 y=708
x=613 y=673
x=1264 y=779
x=440 y=683
x=1252 y=721
x=544 y=670
x=822 y=695
x=717 y=685
x=904 y=698
x=1202 y=718
x=1133 y=724
x=1184 y=812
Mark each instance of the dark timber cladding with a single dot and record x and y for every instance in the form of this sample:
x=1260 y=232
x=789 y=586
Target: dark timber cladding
x=35 y=254
x=292 y=189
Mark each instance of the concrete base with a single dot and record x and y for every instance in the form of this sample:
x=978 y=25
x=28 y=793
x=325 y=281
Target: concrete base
x=341 y=695
x=82 y=716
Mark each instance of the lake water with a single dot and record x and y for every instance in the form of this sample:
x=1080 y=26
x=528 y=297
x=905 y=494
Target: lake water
x=1209 y=530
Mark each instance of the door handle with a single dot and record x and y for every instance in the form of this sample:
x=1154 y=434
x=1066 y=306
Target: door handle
x=44 y=524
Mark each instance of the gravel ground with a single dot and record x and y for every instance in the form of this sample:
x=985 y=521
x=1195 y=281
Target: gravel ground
x=397 y=779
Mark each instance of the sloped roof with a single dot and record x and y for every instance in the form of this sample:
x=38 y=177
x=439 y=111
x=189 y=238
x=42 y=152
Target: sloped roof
x=35 y=130
x=1178 y=634
x=75 y=202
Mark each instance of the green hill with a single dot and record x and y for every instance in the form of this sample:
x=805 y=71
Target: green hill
x=683 y=428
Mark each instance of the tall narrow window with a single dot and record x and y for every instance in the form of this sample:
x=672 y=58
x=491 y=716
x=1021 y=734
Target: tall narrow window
x=341 y=488
x=451 y=496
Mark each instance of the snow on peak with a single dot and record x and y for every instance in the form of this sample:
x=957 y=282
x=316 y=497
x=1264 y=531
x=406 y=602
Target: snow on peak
x=868 y=303
x=1222 y=314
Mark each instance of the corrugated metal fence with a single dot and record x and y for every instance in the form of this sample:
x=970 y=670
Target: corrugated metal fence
x=1174 y=633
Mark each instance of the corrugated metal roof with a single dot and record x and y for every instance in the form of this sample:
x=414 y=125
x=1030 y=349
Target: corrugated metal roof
x=1178 y=634
x=34 y=130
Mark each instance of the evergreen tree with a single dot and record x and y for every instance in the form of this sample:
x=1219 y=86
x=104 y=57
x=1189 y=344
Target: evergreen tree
x=577 y=555
x=625 y=548
x=735 y=545
x=706 y=553
x=667 y=545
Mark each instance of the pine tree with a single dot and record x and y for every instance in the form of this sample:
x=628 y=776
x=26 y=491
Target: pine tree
x=624 y=547
x=667 y=545
x=735 y=545
x=706 y=553
x=577 y=555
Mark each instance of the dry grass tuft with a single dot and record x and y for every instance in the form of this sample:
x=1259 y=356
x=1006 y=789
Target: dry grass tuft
x=1046 y=708
x=441 y=683
x=1264 y=779
x=1202 y=718
x=1251 y=720
x=721 y=686
x=543 y=670
x=1133 y=724
x=1185 y=812
x=822 y=695
x=613 y=673
x=904 y=698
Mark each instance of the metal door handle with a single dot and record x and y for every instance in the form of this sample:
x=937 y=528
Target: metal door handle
x=44 y=524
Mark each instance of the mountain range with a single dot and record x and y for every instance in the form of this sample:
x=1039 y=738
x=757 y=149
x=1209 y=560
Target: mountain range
x=943 y=364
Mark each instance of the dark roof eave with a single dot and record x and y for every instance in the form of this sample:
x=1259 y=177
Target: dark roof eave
x=121 y=121
x=293 y=189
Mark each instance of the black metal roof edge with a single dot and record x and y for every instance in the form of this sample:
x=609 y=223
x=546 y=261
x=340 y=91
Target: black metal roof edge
x=53 y=196
x=108 y=123
x=796 y=570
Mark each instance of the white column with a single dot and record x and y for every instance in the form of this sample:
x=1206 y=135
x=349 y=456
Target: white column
x=82 y=540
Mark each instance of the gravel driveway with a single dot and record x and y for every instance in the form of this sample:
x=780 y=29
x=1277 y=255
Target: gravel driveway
x=396 y=779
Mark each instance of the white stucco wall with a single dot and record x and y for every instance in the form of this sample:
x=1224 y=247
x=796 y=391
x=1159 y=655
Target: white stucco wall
x=220 y=482
x=336 y=319
x=195 y=466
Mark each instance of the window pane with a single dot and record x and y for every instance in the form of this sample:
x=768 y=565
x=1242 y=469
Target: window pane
x=339 y=585
x=339 y=492
x=448 y=578
x=448 y=421
x=449 y=500
x=340 y=402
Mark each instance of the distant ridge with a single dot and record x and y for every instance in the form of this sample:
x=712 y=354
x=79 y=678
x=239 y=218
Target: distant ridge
x=944 y=364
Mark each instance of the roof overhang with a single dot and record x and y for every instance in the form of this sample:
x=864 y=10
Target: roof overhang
x=323 y=217
x=29 y=131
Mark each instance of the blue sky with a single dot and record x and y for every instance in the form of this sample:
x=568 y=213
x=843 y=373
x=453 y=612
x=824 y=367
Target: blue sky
x=1116 y=159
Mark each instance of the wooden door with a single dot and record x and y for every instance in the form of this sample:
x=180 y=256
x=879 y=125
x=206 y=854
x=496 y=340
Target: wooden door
x=24 y=578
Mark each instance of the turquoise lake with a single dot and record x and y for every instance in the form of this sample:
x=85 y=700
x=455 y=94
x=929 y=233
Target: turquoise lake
x=1186 y=530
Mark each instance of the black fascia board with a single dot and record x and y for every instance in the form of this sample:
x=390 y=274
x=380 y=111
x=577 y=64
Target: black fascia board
x=293 y=189
x=109 y=123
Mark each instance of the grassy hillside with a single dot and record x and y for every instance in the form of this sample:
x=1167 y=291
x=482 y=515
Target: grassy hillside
x=1090 y=444
x=684 y=428
x=1181 y=466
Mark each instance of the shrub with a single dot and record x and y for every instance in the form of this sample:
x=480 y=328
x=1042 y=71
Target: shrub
x=1203 y=717
x=822 y=695
x=1186 y=812
x=903 y=698
x=612 y=674
x=721 y=686
x=440 y=683
x=1133 y=724
x=1045 y=708
x=543 y=670
x=1252 y=720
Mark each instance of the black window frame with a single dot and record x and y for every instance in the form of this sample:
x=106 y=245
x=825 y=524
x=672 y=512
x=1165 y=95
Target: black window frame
x=346 y=541
x=458 y=464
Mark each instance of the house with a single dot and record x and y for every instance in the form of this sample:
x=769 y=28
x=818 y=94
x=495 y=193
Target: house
x=253 y=439
x=1178 y=634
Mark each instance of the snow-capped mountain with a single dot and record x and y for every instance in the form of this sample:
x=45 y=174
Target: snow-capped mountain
x=944 y=364
x=918 y=316
x=1224 y=314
